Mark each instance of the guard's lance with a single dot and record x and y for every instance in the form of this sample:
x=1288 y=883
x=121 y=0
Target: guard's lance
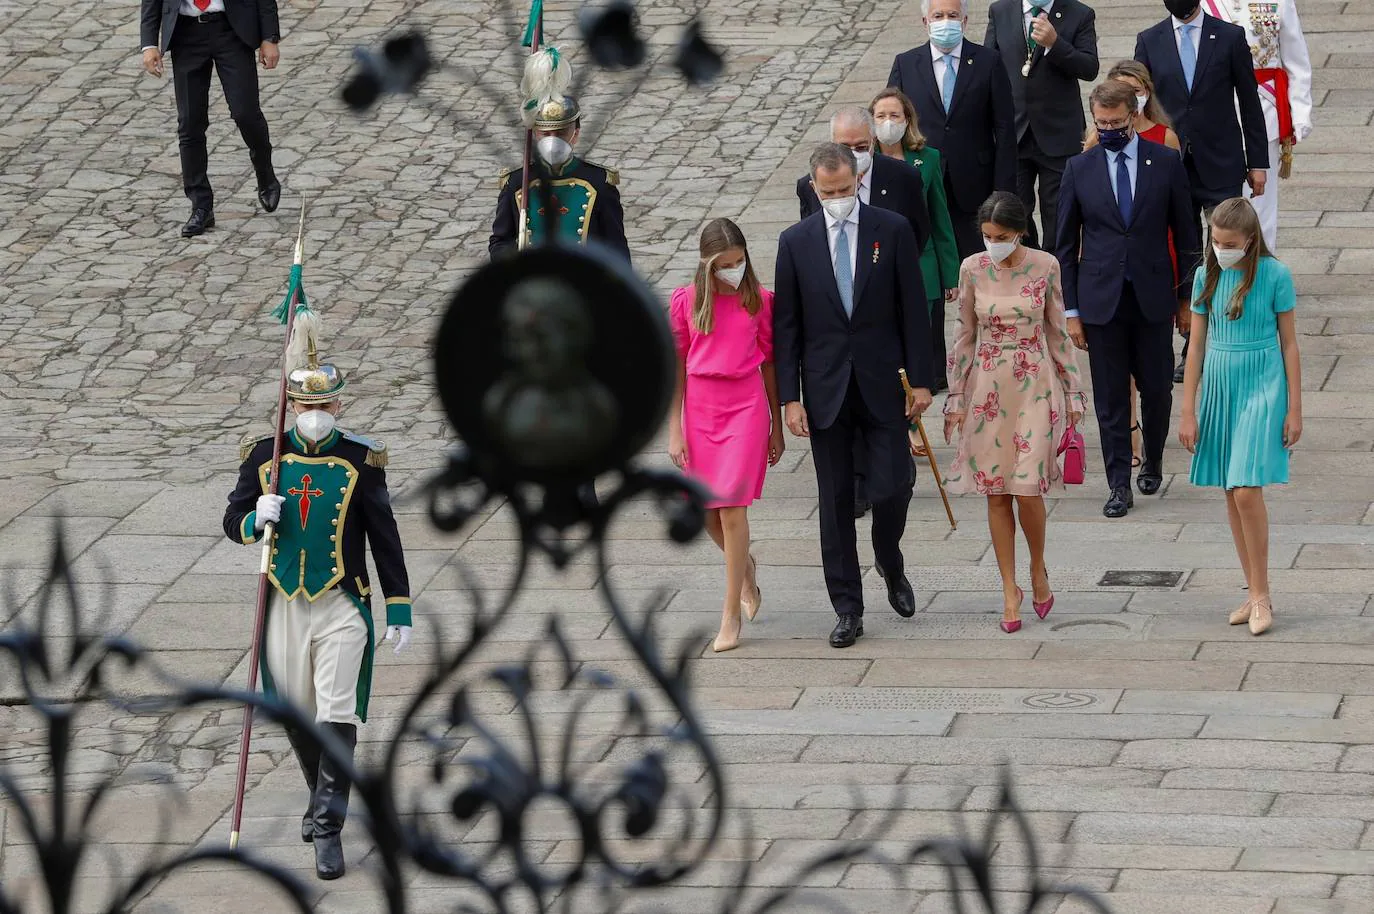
x=534 y=35
x=295 y=297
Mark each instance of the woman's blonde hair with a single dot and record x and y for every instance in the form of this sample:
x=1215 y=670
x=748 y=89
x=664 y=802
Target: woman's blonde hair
x=719 y=236
x=1236 y=215
x=1154 y=111
x=914 y=140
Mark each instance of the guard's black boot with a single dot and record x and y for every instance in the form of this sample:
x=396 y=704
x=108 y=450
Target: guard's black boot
x=308 y=756
x=331 y=807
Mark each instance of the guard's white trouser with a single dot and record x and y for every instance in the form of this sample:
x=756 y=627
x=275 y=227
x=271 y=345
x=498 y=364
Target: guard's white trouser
x=315 y=652
x=1267 y=204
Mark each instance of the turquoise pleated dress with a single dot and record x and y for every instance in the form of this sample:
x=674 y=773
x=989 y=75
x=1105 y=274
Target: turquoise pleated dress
x=1244 y=395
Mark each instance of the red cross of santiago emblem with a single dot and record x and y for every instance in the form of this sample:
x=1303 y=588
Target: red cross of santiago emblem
x=306 y=493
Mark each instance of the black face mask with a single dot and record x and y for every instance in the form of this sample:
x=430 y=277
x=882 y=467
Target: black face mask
x=1180 y=9
x=1114 y=140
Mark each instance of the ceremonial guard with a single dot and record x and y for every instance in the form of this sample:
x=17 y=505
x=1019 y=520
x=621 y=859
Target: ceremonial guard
x=1283 y=70
x=318 y=648
x=584 y=193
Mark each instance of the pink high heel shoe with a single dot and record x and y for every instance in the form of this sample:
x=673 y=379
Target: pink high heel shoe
x=1043 y=609
x=1014 y=626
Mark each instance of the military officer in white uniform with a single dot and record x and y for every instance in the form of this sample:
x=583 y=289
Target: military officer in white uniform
x=1283 y=70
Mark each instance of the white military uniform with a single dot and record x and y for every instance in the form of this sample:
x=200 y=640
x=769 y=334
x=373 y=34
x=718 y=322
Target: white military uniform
x=1276 y=42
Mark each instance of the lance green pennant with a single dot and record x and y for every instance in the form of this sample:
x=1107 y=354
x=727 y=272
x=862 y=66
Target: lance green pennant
x=295 y=289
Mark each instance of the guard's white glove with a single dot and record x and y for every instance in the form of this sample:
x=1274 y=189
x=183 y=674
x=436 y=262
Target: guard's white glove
x=400 y=634
x=268 y=511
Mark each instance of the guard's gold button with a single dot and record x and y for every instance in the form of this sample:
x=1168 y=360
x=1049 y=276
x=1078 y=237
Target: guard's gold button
x=332 y=537
x=335 y=522
x=338 y=507
x=273 y=566
x=274 y=552
x=343 y=490
x=334 y=570
x=333 y=555
x=330 y=464
x=290 y=460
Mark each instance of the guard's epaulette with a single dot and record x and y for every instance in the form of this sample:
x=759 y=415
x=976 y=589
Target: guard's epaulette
x=247 y=443
x=505 y=177
x=612 y=174
x=376 y=451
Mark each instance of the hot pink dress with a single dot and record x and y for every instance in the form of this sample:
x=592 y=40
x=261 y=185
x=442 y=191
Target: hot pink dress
x=725 y=414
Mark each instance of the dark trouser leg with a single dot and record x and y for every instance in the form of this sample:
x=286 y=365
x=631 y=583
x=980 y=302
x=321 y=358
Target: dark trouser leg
x=860 y=472
x=1027 y=168
x=238 y=76
x=1151 y=361
x=1109 y=363
x=308 y=756
x=191 y=64
x=938 y=350
x=1051 y=172
x=331 y=806
x=889 y=515
x=832 y=450
x=968 y=235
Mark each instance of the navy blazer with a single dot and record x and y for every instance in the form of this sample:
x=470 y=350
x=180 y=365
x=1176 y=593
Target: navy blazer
x=896 y=187
x=977 y=137
x=817 y=348
x=1097 y=250
x=1222 y=149
x=1049 y=99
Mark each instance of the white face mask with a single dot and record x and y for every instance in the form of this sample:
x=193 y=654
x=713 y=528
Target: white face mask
x=315 y=424
x=1228 y=257
x=732 y=276
x=555 y=150
x=1140 y=102
x=1000 y=250
x=839 y=208
x=863 y=161
x=890 y=132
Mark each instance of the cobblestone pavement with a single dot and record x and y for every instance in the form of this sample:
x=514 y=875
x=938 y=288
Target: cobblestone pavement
x=1166 y=759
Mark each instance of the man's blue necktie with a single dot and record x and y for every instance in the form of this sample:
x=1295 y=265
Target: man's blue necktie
x=844 y=270
x=1124 y=200
x=1186 y=54
x=947 y=93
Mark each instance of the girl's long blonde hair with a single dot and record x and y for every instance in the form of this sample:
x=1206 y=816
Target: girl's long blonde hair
x=1236 y=215
x=719 y=236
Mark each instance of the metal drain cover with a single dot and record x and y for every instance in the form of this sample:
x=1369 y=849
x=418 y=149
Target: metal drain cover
x=1141 y=579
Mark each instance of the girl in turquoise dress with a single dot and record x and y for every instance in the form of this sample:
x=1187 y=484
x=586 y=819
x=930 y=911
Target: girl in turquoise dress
x=1250 y=413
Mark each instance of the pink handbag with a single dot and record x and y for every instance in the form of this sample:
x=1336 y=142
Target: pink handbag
x=1074 y=452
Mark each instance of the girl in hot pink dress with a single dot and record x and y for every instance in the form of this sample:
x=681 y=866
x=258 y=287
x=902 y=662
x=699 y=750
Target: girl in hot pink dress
x=725 y=428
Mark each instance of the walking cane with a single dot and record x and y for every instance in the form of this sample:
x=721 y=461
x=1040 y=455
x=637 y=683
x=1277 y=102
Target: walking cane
x=295 y=297
x=930 y=454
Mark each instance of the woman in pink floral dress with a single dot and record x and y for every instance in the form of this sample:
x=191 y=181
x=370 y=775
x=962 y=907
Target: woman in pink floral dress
x=1013 y=389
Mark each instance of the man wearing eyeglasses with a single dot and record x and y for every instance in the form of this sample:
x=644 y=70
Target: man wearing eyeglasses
x=1118 y=202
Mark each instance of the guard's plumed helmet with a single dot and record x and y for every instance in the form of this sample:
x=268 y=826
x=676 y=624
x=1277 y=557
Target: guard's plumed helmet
x=544 y=86
x=307 y=379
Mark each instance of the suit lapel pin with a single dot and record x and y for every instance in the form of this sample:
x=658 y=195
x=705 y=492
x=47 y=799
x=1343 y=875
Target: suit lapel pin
x=1147 y=161
x=875 y=252
x=1058 y=15
x=883 y=192
x=1213 y=36
x=969 y=61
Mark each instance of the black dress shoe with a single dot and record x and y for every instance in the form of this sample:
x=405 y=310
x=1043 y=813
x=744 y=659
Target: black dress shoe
x=269 y=195
x=1149 y=480
x=1120 y=501
x=900 y=596
x=201 y=219
x=861 y=506
x=847 y=631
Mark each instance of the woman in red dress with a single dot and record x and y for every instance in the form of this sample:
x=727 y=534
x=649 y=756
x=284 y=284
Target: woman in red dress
x=1152 y=124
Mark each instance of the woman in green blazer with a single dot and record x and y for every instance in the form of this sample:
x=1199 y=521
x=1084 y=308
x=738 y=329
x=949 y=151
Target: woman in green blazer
x=900 y=137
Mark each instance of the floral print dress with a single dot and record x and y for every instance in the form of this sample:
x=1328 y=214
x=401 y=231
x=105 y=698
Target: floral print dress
x=1013 y=372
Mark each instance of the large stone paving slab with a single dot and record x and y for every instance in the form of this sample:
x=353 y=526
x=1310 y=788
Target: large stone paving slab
x=1166 y=759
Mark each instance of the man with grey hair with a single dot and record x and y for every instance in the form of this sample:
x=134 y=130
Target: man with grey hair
x=964 y=105
x=892 y=185
x=849 y=312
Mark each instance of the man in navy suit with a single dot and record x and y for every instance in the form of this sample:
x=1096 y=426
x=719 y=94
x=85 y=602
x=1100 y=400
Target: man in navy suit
x=892 y=185
x=964 y=105
x=849 y=312
x=1203 y=72
x=1118 y=201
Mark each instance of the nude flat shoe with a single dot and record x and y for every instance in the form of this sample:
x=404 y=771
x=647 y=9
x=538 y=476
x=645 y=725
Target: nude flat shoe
x=1261 y=617
x=1242 y=615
